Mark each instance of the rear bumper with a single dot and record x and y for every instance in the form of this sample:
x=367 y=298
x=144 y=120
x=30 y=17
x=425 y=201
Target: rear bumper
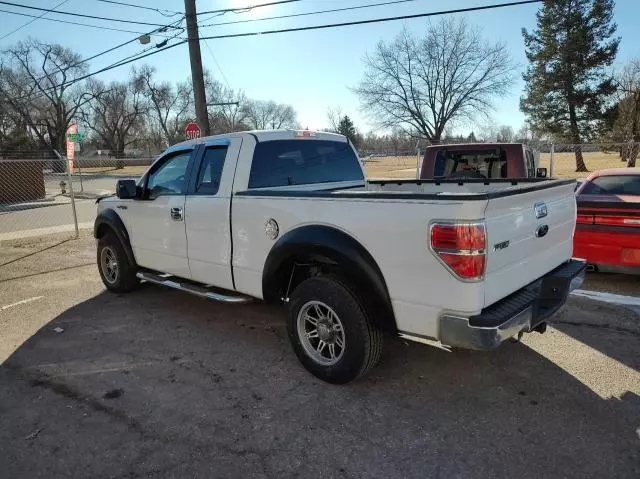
x=601 y=245
x=520 y=312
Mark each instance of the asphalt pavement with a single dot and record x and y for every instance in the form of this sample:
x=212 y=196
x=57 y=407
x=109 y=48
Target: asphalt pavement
x=157 y=383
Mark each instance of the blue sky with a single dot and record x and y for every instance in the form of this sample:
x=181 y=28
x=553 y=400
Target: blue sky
x=310 y=70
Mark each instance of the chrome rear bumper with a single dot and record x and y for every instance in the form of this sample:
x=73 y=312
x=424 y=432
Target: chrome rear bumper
x=522 y=311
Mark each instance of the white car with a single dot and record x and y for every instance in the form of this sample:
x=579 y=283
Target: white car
x=290 y=217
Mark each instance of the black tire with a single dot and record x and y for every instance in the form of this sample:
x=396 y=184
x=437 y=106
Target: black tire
x=362 y=341
x=125 y=279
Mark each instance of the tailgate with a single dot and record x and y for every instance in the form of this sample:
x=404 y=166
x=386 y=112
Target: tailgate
x=528 y=235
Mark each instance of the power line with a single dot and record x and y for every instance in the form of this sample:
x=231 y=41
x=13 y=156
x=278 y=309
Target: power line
x=343 y=9
x=31 y=21
x=246 y=9
x=81 y=15
x=119 y=63
x=68 y=22
x=213 y=57
x=288 y=30
x=159 y=45
x=374 y=20
x=120 y=45
x=161 y=11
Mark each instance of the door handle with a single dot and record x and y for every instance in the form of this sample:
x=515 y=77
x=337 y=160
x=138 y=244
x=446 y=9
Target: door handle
x=176 y=214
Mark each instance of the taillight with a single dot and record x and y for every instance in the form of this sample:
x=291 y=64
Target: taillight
x=461 y=247
x=584 y=219
x=617 y=221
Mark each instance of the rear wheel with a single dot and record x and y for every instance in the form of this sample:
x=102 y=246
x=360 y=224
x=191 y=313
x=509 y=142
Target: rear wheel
x=330 y=332
x=117 y=274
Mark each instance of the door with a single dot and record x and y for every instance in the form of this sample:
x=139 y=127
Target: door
x=156 y=222
x=208 y=214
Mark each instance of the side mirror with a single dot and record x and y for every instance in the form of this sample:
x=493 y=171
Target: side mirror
x=541 y=172
x=126 y=189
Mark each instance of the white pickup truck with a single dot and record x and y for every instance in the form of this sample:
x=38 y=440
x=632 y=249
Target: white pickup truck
x=289 y=216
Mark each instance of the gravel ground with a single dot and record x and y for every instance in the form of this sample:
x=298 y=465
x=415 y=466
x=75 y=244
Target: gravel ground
x=161 y=384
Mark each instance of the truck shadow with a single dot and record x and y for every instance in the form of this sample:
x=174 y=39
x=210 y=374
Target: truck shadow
x=607 y=328
x=167 y=384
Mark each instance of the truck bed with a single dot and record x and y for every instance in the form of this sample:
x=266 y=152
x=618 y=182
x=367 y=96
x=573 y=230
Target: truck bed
x=391 y=219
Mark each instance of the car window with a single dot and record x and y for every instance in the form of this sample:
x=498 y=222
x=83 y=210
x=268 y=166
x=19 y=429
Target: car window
x=211 y=170
x=487 y=163
x=169 y=178
x=613 y=185
x=303 y=162
x=531 y=164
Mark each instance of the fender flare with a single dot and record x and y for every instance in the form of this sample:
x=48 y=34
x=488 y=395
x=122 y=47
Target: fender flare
x=328 y=245
x=109 y=220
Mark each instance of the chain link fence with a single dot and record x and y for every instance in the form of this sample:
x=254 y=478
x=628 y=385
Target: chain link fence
x=561 y=160
x=33 y=200
x=40 y=196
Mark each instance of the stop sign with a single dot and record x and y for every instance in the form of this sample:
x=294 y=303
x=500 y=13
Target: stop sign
x=192 y=131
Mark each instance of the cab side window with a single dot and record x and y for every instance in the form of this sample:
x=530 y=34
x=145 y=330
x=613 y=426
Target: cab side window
x=169 y=178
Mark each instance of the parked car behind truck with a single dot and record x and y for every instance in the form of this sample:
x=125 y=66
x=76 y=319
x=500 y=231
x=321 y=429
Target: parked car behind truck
x=608 y=222
x=481 y=160
x=289 y=217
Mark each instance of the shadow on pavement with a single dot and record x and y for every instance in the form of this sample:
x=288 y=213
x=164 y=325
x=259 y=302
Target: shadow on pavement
x=157 y=383
x=35 y=251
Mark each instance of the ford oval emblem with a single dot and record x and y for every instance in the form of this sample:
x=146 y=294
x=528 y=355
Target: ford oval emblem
x=541 y=209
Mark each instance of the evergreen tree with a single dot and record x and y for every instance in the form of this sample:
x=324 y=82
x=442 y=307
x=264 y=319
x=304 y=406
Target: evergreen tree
x=472 y=138
x=348 y=129
x=567 y=83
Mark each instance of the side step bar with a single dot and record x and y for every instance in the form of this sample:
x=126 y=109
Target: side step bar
x=189 y=287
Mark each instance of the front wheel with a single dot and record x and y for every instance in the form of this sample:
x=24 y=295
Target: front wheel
x=117 y=274
x=330 y=332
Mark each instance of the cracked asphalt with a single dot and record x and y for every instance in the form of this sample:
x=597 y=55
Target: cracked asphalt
x=161 y=384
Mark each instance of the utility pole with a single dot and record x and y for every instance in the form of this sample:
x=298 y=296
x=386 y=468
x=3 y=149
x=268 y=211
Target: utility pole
x=197 y=75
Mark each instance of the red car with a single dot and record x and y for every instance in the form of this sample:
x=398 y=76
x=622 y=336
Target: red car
x=608 y=224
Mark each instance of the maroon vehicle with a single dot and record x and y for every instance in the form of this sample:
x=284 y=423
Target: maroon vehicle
x=480 y=160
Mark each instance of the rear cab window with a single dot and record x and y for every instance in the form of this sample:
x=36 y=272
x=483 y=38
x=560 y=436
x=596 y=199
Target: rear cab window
x=303 y=162
x=613 y=185
x=488 y=163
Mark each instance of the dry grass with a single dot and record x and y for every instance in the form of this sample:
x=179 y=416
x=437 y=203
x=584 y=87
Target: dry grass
x=392 y=167
x=564 y=165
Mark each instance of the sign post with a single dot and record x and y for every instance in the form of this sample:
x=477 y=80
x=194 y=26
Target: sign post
x=192 y=131
x=73 y=144
x=71 y=147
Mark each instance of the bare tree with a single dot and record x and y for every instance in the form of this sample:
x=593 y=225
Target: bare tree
x=425 y=84
x=116 y=114
x=334 y=115
x=38 y=84
x=627 y=124
x=229 y=115
x=505 y=134
x=263 y=115
x=171 y=105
